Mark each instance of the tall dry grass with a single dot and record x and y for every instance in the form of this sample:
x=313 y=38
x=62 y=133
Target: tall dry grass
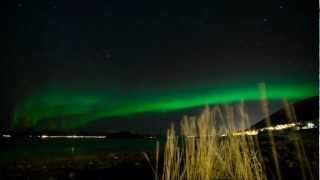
x=303 y=162
x=266 y=113
x=201 y=153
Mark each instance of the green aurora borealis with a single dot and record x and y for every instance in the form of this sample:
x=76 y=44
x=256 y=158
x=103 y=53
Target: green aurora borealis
x=69 y=109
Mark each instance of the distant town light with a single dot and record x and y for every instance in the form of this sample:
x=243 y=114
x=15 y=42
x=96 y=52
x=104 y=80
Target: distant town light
x=249 y=133
x=44 y=136
x=278 y=127
x=6 y=135
x=309 y=125
x=73 y=137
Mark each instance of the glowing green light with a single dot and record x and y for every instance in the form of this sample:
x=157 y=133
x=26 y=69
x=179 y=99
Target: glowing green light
x=73 y=109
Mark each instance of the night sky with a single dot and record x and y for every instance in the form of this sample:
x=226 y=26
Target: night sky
x=71 y=64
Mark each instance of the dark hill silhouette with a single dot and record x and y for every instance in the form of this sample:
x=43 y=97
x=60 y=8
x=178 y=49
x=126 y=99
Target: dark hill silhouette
x=306 y=110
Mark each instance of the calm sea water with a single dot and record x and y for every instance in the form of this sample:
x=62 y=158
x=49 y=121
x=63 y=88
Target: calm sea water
x=13 y=149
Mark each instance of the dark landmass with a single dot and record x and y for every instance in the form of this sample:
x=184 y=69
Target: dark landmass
x=306 y=110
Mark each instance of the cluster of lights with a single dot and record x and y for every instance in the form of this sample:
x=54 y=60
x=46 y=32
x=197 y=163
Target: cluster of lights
x=309 y=126
x=72 y=137
x=249 y=133
x=6 y=135
x=278 y=127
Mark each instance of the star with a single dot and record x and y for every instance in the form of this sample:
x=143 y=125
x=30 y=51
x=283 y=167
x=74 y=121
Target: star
x=108 y=54
x=265 y=19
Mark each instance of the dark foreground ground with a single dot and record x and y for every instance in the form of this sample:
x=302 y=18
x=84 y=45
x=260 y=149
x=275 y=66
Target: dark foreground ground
x=108 y=166
x=289 y=161
x=124 y=165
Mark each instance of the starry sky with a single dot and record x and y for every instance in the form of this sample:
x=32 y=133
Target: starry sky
x=71 y=64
